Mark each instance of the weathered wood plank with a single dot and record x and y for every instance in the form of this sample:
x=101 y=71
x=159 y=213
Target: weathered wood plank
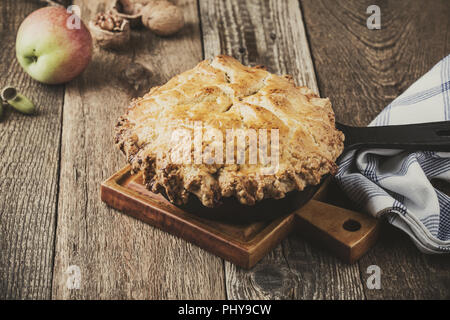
x=120 y=257
x=272 y=33
x=29 y=161
x=362 y=70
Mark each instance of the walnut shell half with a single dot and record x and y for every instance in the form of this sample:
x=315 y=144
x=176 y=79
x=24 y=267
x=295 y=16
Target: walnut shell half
x=110 y=39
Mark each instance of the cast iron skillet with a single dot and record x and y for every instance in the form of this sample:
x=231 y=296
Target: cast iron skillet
x=434 y=136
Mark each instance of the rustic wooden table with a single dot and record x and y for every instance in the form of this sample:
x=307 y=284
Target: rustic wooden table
x=51 y=165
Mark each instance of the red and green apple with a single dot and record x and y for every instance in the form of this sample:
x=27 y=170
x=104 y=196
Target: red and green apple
x=51 y=50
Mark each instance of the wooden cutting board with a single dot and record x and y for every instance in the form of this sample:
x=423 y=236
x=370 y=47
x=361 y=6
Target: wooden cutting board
x=326 y=220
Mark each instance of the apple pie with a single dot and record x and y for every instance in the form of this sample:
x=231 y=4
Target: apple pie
x=223 y=129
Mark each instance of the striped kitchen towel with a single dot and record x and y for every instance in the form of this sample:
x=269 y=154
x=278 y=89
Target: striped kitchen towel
x=396 y=184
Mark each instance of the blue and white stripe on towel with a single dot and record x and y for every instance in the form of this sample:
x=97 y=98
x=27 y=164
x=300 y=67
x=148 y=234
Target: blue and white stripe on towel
x=395 y=183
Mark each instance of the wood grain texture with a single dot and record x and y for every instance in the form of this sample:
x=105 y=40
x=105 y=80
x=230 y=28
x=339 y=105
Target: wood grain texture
x=29 y=162
x=242 y=244
x=326 y=224
x=272 y=33
x=121 y=257
x=362 y=70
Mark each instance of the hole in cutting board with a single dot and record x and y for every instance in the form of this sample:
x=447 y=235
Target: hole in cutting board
x=351 y=225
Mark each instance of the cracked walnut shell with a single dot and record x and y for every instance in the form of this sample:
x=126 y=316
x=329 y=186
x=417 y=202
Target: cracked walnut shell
x=109 y=30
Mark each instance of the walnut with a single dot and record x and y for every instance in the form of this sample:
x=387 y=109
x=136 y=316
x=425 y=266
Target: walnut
x=162 y=17
x=110 y=30
x=109 y=22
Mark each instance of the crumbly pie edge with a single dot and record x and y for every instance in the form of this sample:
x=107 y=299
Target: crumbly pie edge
x=178 y=182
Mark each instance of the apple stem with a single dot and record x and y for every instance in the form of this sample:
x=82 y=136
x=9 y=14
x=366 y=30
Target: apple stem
x=52 y=3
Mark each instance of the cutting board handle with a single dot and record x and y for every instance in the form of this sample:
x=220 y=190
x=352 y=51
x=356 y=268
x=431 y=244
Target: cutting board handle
x=349 y=234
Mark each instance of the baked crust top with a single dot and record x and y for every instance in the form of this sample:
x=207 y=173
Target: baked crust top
x=221 y=95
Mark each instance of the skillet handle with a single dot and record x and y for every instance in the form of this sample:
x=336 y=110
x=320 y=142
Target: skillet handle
x=432 y=136
x=348 y=234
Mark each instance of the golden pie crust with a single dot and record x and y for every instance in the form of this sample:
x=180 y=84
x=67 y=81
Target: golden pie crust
x=223 y=94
